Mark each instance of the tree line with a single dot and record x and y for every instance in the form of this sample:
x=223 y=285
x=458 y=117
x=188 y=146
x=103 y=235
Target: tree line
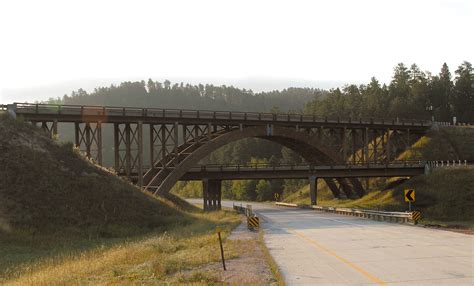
x=411 y=94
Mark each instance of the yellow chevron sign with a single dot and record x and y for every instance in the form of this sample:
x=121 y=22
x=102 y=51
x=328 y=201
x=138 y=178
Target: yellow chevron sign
x=253 y=221
x=276 y=196
x=409 y=195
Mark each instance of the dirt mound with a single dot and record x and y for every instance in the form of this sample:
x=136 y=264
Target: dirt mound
x=48 y=187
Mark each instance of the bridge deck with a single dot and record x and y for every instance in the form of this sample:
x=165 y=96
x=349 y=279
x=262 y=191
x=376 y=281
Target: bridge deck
x=303 y=171
x=106 y=114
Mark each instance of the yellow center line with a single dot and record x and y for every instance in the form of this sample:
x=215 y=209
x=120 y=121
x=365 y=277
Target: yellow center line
x=342 y=259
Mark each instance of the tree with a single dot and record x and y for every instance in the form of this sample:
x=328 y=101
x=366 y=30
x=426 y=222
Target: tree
x=263 y=191
x=463 y=93
x=441 y=90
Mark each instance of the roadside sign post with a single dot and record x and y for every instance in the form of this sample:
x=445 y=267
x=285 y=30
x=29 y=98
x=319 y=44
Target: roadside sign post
x=218 y=230
x=277 y=197
x=409 y=197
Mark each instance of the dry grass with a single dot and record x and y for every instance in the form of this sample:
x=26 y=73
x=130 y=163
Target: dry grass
x=270 y=261
x=155 y=258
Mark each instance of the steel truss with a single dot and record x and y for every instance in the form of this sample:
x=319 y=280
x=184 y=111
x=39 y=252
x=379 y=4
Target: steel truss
x=88 y=138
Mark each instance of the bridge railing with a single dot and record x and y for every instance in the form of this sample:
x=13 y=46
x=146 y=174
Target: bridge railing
x=91 y=110
x=296 y=167
x=269 y=166
x=449 y=163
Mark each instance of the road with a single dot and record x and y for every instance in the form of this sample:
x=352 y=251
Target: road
x=315 y=248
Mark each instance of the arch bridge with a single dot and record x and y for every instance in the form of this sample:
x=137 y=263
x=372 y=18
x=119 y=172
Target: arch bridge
x=179 y=139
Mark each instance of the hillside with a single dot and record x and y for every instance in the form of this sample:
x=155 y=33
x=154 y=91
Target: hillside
x=47 y=187
x=444 y=195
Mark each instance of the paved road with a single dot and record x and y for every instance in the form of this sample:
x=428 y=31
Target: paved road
x=315 y=248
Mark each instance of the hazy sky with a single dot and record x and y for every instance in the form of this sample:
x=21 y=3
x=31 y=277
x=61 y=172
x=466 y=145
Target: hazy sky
x=46 y=43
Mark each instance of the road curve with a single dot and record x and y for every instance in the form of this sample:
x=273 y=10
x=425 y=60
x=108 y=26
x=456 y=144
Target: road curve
x=315 y=248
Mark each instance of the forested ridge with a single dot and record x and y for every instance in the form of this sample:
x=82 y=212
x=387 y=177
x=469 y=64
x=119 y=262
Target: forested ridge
x=411 y=94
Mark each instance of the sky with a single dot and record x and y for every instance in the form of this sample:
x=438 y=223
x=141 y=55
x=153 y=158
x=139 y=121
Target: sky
x=49 y=48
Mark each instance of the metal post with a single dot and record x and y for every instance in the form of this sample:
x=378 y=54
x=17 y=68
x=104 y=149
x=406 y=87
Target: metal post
x=366 y=145
x=374 y=147
x=344 y=145
x=176 y=143
x=222 y=250
x=76 y=134
x=354 y=146
x=152 y=145
x=408 y=138
x=313 y=189
x=163 y=145
x=388 y=146
x=99 y=142
x=128 y=151
x=88 y=140
x=140 y=153
x=116 y=147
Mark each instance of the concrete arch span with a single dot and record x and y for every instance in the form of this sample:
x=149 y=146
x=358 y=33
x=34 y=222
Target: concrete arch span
x=299 y=141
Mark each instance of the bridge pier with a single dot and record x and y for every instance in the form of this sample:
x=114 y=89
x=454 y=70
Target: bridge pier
x=313 y=189
x=128 y=149
x=212 y=194
x=89 y=137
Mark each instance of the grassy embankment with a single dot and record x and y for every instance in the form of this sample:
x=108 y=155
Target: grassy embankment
x=445 y=196
x=64 y=220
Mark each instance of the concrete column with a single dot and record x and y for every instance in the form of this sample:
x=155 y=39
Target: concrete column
x=205 y=193
x=219 y=194
x=55 y=127
x=212 y=194
x=313 y=189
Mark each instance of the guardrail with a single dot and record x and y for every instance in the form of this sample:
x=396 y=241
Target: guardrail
x=403 y=217
x=253 y=220
x=244 y=210
x=83 y=110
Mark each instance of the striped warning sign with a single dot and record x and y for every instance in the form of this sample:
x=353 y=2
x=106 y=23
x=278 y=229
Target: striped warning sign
x=416 y=215
x=253 y=221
